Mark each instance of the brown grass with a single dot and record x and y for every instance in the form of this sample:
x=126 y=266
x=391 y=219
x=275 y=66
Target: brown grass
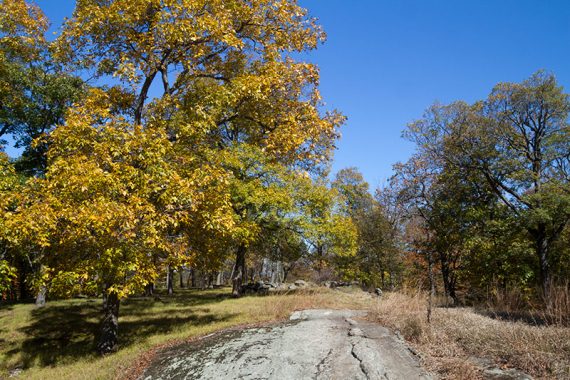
x=558 y=304
x=457 y=335
x=526 y=305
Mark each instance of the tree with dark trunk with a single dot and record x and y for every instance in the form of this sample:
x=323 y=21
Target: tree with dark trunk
x=181 y=276
x=517 y=140
x=239 y=272
x=170 y=280
x=108 y=340
x=149 y=290
x=449 y=276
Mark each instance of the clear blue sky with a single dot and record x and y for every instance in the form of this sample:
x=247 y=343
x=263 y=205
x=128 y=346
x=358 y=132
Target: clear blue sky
x=385 y=61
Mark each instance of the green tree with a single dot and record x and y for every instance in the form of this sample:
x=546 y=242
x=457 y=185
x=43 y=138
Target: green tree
x=35 y=92
x=518 y=140
x=377 y=252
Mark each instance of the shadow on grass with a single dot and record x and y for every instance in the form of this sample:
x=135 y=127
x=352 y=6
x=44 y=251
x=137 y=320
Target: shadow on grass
x=65 y=331
x=527 y=317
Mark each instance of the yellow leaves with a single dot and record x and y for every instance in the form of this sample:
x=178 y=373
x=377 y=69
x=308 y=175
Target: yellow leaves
x=142 y=37
x=22 y=28
x=211 y=157
x=7 y=275
x=116 y=200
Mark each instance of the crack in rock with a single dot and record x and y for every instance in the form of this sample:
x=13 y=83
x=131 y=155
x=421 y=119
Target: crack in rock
x=361 y=365
x=369 y=363
x=322 y=363
x=356 y=332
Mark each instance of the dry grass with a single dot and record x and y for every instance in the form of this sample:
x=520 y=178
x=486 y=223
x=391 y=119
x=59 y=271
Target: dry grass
x=558 y=304
x=516 y=304
x=56 y=342
x=457 y=335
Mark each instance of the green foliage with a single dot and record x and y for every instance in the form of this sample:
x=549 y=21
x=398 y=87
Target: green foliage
x=376 y=261
x=490 y=180
x=35 y=91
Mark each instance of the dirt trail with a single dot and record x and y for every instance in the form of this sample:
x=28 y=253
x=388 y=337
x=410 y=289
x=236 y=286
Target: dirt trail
x=315 y=344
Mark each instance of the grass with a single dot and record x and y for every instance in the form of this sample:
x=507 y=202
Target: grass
x=456 y=336
x=56 y=342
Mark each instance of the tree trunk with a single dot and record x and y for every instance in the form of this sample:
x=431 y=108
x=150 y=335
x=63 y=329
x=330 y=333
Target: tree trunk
x=285 y=270
x=142 y=97
x=41 y=297
x=239 y=272
x=23 y=272
x=542 y=253
x=170 y=280
x=149 y=290
x=431 y=286
x=448 y=283
x=233 y=271
x=109 y=335
x=277 y=274
x=181 y=274
x=193 y=276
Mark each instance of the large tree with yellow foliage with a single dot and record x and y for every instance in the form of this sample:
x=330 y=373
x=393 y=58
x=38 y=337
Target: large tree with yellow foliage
x=115 y=202
x=138 y=177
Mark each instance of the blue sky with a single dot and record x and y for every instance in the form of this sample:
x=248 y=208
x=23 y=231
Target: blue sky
x=386 y=61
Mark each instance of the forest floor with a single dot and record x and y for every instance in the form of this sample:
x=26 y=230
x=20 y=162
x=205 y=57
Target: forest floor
x=56 y=342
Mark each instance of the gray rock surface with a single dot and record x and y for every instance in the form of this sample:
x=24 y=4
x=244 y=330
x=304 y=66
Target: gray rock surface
x=315 y=344
x=490 y=371
x=300 y=283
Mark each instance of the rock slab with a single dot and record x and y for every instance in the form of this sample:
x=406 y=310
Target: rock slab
x=315 y=344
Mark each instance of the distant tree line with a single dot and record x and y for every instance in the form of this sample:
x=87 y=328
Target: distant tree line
x=481 y=207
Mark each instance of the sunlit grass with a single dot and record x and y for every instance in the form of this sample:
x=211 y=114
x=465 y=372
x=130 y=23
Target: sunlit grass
x=457 y=335
x=56 y=342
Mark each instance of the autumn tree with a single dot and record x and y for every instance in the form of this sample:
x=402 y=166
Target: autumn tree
x=225 y=68
x=138 y=180
x=113 y=205
x=10 y=183
x=377 y=253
